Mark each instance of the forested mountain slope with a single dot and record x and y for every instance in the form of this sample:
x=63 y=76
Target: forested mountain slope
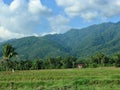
x=84 y=42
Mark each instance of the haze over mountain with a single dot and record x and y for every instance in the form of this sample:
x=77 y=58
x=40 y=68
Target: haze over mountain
x=82 y=43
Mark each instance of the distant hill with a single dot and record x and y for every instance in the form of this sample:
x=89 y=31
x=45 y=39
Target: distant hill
x=82 y=43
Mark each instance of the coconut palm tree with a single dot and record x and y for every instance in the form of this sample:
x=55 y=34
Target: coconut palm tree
x=8 y=52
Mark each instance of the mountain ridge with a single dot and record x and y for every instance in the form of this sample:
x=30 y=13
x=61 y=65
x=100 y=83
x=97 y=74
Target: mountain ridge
x=82 y=43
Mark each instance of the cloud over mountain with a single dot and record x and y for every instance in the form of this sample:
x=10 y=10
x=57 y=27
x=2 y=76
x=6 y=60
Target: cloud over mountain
x=90 y=9
x=20 y=17
x=59 y=21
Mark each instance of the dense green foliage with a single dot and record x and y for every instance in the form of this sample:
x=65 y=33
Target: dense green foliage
x=76 y=42
x=62 y=79
x=49 y=63
x=98 y=60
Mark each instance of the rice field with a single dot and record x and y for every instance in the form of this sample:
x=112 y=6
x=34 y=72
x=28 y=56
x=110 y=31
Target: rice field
x=105 y=78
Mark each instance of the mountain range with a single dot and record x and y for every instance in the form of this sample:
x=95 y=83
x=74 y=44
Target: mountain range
x=80 y=43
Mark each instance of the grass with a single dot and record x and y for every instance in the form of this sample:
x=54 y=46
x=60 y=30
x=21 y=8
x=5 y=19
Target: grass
x=62 y=79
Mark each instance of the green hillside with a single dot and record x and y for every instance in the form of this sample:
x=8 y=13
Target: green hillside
x=82 y=43
x=103 y=38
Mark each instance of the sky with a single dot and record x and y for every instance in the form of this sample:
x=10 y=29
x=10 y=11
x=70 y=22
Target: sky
x=21 y=18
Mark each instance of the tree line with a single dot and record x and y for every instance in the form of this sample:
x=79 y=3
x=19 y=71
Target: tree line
x=9 y=61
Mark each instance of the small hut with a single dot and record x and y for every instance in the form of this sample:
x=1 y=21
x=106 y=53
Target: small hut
x=80 y=65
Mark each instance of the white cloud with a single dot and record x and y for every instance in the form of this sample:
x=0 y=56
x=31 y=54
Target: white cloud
x=65 y=2
x=43 y=34
x=36 y=7
x=6 y=34
x=24 y=17
x=21 y=17
x=89 y=15
x=16 y=4
x=59 y=24
x=90 y=9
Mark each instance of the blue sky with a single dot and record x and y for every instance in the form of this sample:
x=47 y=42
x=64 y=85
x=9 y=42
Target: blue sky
x=21 y=18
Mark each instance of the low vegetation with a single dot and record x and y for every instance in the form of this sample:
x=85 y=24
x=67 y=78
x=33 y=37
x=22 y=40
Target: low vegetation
x=62 y=79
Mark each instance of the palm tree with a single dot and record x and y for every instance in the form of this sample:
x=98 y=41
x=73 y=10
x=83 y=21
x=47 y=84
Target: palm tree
x=8 y=52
